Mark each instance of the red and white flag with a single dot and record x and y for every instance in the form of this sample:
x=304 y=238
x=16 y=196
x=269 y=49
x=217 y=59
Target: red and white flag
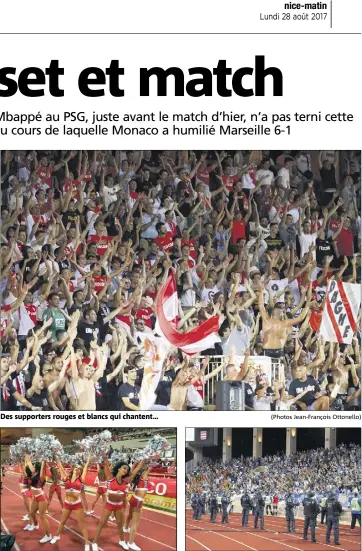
x=339 y=318
x=200 y=338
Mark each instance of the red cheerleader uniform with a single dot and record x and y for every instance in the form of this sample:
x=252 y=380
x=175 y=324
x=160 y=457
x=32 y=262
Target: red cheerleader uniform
x=102 y=488
x=74 y=488
x=137 y=501
x=37 y=484
x=24 y=482
x=115 y=488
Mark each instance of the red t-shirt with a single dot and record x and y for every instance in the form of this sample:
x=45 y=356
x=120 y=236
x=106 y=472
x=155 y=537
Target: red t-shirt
x=203 y=174
x=44 y=172
x=315 y=320
x=101 y=247
x=165 y=242
x=145 y=314
x=191 y=245
x=76 y=184
x=238 y=230
x=345 y=242
x=199 y=387
x=228 y=181
x=87 y=176
x=99 y=283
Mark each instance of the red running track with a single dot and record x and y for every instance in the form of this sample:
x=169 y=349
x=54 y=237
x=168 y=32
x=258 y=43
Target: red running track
x=204 y=536
x=156 y=530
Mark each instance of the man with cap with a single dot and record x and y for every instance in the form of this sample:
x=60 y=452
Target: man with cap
x=213 y=507
x=311 y=510
x=289 y=512
x=355 y=510
x=259 y=511
x=334 y=510
x=247 y=506
x=224 y=508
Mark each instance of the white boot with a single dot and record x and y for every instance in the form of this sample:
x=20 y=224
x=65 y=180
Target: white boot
x=126 y=530
x=133 y=546
x=46 y=539
x=123 y=544
x=94 y=546
x=55 y=539
x=87 y=547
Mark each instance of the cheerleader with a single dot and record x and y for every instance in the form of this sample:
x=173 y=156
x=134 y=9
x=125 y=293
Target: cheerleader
x=55 y=487
x=140 y=487
x=116 y=493
x=73 y=483
x=24 y=484
x=36 y=473
x=102 y=488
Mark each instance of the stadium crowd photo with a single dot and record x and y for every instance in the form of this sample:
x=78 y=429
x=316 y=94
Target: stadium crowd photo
x=77 y=489
x=164 y=280
x=298 y=494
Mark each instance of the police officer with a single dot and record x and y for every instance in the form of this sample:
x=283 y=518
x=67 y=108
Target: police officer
x=355 y=510
x=311 y=510
x=224 y=509
x=194 y=505
x=199 y=506
x=203 y=504
x=213 y=508
x=247 y=506
x=289 y=512
x=323 y=508
x=259 y=511
x=334 y=510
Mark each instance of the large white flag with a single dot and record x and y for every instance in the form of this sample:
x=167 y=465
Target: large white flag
x=339 y=318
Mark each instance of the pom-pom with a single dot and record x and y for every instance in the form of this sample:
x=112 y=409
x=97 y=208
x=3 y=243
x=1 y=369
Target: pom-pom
x=153 y=449
x=45 y=447
x=97 y=446
x=118 y=456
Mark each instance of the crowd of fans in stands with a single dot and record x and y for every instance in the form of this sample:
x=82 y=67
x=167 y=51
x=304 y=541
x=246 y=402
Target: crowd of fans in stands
x=88 y=237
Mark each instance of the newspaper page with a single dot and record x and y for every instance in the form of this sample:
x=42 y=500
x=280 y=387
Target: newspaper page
x=180 y=315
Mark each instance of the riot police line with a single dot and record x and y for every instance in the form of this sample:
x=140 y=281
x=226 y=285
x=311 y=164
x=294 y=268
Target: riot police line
x=255 y=505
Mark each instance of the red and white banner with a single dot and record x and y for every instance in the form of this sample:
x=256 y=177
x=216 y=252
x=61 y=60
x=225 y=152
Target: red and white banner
x=339 y=318
x=201 y=338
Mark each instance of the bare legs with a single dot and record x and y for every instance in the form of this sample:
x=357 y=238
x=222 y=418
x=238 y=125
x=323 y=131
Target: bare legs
x=120 y=522
x=133 y=519
x=103 y=521
x=59 y=494
x=43 y=506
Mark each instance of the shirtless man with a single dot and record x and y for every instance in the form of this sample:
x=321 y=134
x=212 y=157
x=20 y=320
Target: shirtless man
x=184 y=379
x=232 y=372
x=275 y=329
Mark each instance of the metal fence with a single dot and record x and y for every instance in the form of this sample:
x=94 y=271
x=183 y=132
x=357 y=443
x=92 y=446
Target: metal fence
x=210 y=384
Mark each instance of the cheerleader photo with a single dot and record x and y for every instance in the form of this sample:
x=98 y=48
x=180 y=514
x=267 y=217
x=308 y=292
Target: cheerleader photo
x=91 y=489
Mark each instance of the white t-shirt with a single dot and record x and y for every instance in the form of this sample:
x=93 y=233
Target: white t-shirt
x=247 y=182
x=151 y=232
x=240 y=339
x=284 y=176
x=188 y=298
x=207 y=294
x=275 y=285
x=306 y=240
x=266 y=175
x=110 y=195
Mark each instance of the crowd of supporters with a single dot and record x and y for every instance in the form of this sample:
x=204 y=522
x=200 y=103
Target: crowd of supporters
x=88 y=238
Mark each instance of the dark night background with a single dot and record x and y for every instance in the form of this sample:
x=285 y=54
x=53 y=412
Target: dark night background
x=274 y=440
